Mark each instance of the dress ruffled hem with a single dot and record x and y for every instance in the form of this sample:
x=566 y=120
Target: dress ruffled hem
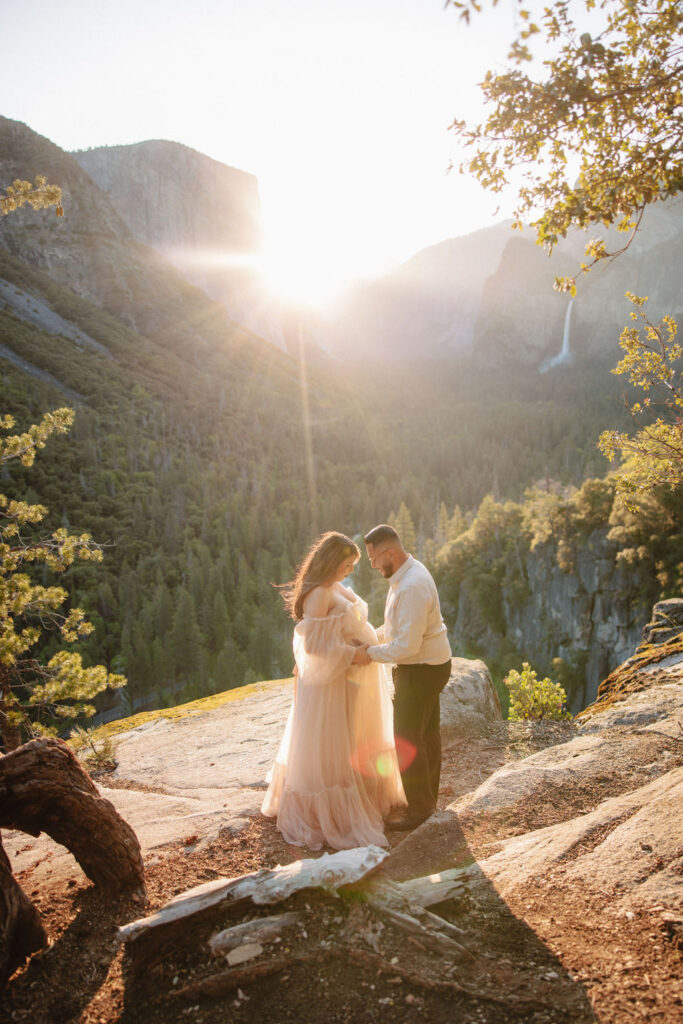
x=339 y=816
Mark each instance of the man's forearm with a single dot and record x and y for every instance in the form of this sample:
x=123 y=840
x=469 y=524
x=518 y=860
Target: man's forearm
x=393 y=652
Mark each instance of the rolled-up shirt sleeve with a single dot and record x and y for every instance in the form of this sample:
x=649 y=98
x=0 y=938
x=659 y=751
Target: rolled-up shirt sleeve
x=408 y=625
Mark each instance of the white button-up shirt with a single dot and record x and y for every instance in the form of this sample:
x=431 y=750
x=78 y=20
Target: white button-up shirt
x=414 y=631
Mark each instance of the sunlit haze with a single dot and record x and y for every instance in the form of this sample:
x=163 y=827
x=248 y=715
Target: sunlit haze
x=339 y=107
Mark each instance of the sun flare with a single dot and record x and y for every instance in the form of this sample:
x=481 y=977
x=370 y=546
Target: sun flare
x=297 y=274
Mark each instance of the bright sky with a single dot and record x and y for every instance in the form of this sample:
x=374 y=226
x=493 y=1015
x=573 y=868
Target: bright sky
x=339 y=107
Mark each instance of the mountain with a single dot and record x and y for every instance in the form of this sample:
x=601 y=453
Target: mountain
x=90 y=250
x=187 y=457
x=522 y=319
x=427 y=305
x=489 y=295
x=199 y=214
x=171 y=196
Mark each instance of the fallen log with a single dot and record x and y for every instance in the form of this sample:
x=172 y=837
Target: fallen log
x=437 y=888
x=185 y=918
x=436 y=933
x=263 y=929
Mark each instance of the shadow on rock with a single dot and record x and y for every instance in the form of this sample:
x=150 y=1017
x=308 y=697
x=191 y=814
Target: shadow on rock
x=391 y=947
x=57 y=985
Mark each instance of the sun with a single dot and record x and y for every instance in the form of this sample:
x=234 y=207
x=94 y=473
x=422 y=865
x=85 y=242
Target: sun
x=307 y=267
x=313 y=249
x=300 y=274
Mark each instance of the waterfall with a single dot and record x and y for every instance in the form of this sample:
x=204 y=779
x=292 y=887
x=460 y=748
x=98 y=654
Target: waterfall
x=564 y=355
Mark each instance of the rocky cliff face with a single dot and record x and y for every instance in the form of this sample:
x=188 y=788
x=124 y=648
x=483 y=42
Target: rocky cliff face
x=591 y=616
x=521 y=318
x=90 y=249
x=490 y=294
x=199 y=214
x=430 y=304
x=170 y=196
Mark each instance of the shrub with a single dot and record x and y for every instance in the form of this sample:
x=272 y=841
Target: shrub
x=98 y=754
x=534 y=699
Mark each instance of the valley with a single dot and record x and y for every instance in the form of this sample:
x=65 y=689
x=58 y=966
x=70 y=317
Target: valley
x=422 y=400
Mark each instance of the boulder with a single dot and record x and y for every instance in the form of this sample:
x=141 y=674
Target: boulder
x=666 y=623
x=614 y=752
x=628 y=734
x=629 y=845
x=603 y=811
x=469 y=702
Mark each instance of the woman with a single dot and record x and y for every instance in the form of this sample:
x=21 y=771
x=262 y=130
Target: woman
x=336 y=775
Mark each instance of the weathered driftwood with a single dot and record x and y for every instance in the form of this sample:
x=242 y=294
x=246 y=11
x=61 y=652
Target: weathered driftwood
x=437 y=888
x=21 y=932
x=247 y=951
x=44 y=789
x=184 y=918
x=434 y=932
x=263 y=929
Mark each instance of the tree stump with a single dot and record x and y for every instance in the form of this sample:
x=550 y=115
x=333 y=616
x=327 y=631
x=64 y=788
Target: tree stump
x=44 y=789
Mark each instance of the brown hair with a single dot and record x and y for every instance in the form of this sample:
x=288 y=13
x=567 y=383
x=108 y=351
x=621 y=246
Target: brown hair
x=322 y=559
x=380 y=533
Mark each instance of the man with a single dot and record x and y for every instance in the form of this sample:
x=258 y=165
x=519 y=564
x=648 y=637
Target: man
x=415 y=642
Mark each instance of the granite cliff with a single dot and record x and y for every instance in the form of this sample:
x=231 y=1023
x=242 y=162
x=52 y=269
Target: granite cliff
x=201 y=215
x=521 y=318
x=590 y=615
x=90 y=250
x=489 y=296
x=171 y=196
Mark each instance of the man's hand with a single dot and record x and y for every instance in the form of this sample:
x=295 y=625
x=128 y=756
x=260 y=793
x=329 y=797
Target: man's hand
x=361 y=657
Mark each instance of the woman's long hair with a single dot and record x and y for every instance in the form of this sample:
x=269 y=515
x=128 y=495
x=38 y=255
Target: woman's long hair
x=322 y=560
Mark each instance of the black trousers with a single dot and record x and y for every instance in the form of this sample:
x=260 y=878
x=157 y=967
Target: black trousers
x=417 y=723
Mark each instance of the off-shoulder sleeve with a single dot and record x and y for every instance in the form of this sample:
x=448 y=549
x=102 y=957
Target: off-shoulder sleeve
x=320 y=651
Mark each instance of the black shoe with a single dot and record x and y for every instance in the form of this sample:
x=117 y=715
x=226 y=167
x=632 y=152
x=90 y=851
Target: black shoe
x=395 y=814
x=406 y=823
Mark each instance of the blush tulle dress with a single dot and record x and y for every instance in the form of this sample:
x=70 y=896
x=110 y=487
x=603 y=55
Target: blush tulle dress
x=336 y=774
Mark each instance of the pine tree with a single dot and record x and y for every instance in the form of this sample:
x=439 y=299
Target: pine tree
x=403 y=524
x=186 y=638
x=35 y=696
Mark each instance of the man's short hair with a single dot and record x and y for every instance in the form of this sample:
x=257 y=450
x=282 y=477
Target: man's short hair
x=380 y=534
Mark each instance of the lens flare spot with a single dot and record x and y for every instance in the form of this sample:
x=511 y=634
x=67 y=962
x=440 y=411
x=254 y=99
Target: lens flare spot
x=383 y=765
x=370 y=762
x=405 y=752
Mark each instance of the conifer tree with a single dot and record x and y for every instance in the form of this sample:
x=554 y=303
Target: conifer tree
x=403 y=524
x=35 y=696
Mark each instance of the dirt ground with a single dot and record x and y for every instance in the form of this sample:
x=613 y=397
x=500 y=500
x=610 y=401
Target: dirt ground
x=547 y=957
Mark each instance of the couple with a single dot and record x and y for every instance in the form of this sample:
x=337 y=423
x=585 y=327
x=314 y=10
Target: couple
x=340 y=778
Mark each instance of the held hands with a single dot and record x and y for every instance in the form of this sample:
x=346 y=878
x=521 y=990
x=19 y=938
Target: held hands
x=361 y=657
